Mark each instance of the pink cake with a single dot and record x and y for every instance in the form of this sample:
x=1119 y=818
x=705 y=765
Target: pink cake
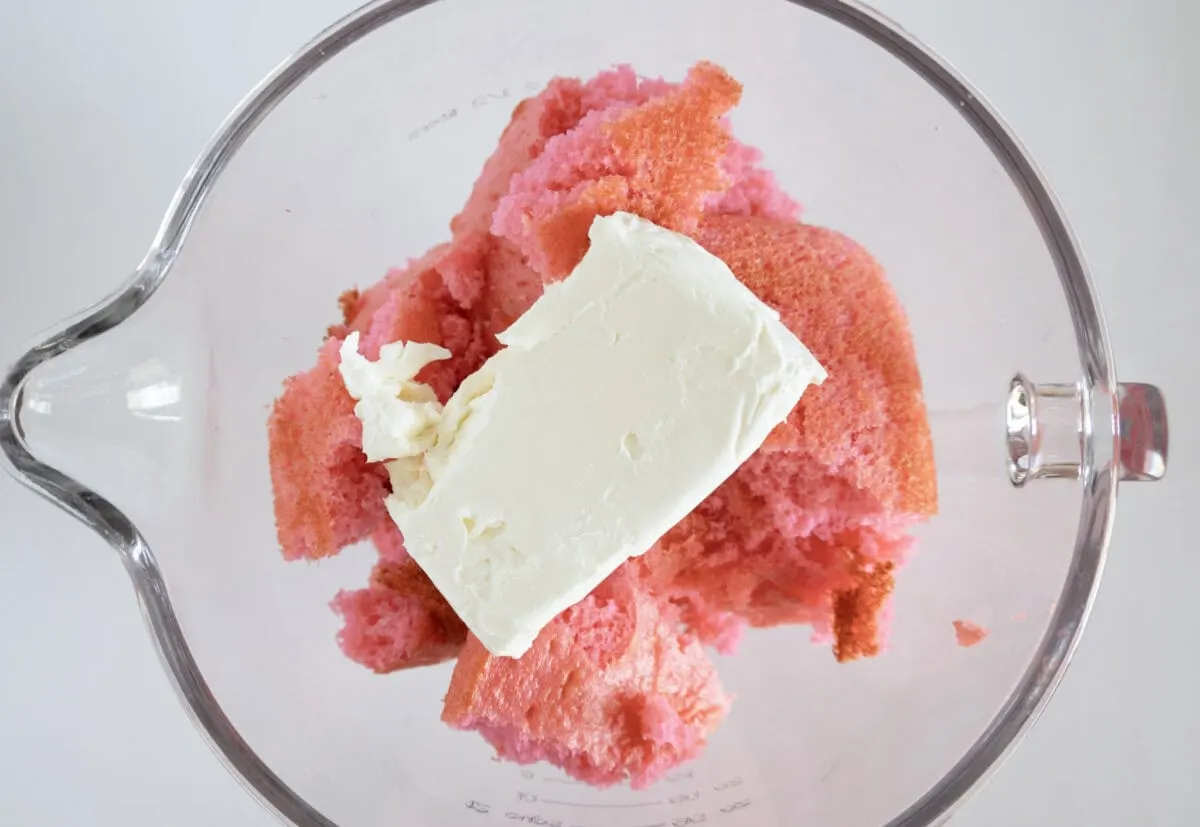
x=968 y=634
x=326 y=495
x=809 y=530
x=665 y=160
x=610 y=690
x=399 y=621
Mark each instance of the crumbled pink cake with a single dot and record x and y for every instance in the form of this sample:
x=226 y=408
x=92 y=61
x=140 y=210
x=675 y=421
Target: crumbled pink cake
x=556 y=111
x=664 y=159
x=389 y=543
x=399 y=621
x=610 y=690
x=808 y=531
x=752 y=189
x=326 y=494
x=810 y=528
x=967 y=634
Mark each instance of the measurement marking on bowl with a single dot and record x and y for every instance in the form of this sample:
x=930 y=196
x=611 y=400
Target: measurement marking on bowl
x=478 y=102
x=588 y=806
x=446 y=116
x=740 y=804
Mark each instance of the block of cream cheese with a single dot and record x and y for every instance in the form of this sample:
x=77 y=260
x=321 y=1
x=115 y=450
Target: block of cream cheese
x=622 y=398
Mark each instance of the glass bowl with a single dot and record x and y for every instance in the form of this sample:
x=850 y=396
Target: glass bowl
x=145 y=416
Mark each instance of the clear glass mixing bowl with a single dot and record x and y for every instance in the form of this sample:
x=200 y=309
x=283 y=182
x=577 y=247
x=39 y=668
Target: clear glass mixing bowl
x=145 y=417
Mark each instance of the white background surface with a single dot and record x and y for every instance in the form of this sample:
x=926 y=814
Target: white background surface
x=102 y=108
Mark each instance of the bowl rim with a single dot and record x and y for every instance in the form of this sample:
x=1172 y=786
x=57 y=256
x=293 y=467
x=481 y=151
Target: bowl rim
x=1097 y=383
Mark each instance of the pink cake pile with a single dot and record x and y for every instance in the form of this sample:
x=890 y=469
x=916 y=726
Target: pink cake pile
x=610 y=690
x=808 y=531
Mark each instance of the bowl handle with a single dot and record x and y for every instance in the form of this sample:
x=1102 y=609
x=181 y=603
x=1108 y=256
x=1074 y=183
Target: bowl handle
x=1142 y=432
x=1048 y=427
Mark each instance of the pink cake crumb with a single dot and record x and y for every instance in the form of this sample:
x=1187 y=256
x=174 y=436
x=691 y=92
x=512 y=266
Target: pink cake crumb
x=753 y=190
x=326 y=494
x=555 y=111
x=611 y=690
x=968 y=634
x=399 y=621
x=660 y=160
x=389 y=543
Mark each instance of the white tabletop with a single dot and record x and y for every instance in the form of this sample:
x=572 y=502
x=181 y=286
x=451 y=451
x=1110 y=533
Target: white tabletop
x=102 y=107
